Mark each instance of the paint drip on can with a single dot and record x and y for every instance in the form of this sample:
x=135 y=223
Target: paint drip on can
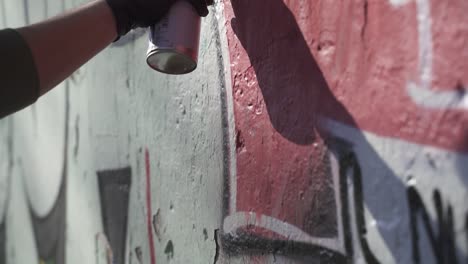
x=174 y=41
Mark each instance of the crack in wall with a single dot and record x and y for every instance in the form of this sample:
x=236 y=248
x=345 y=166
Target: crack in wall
x=216 y=257
x=364 y=25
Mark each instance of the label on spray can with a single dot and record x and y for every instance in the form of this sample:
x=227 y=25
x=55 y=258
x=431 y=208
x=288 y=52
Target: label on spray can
x=161 y=34
x=174 y=41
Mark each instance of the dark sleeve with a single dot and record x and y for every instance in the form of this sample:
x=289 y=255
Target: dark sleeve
x=19 y=81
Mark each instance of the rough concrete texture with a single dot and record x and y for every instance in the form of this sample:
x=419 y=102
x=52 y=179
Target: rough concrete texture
x=312 y=132
x=116 y=132
x=351 y=127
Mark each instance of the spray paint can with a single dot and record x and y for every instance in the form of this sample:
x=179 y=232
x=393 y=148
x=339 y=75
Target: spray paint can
x=174 y=41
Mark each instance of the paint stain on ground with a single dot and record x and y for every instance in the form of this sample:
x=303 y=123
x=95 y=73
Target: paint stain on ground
x=169 y=250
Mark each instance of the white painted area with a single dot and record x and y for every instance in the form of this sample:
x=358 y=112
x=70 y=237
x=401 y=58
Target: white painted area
x=20 y=244
x=437 y=99
x=398 y=3
x=122 y=107
x=421 y=90
x=15 y=15
x=39 y=12
x=40 y=144
x=2 y=16
x=118 y=108
x=425 y=42
x=5 y=160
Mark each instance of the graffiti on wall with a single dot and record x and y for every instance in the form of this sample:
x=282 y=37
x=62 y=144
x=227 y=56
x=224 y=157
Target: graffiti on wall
x=86 y=199
x=5 y=169
x=49 y=232
x=114 y=189
x=341 y=129
x=292 y=156
x=47 y=206
x=422 y=90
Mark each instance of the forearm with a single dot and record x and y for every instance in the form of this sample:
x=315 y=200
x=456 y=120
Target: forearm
x=36 y=58
x=62 y=44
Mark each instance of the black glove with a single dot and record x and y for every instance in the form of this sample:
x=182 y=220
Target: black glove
x=130 y=14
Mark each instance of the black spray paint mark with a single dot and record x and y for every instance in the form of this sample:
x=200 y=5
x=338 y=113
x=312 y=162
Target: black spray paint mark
x=466 y=231
x=2 y=243
x=345 y=214
x=244 y=242
x=349 y=162
x=216 y=239
x=225 y=122
x=169 y=250
x=442 y=239
x=440 y=235
x=49 y=232
x=139 y=255
x=157 y=224
x=76 y=148
x=114 y=189
x=26 y=11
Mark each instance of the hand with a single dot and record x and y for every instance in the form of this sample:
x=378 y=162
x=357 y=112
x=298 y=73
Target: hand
x=130 y=14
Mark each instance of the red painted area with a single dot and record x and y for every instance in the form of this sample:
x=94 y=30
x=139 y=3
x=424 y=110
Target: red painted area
x=367 y=55
x=350 y=61
x=148 y=207
x=282 y=162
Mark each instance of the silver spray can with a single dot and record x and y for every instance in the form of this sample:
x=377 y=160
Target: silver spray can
x=174 y=41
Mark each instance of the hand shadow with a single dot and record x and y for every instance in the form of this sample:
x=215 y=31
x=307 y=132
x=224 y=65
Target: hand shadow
x=294 y=89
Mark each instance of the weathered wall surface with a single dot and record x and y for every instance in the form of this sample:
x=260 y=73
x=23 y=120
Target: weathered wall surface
x=312 y=132
x=119 y=159
x=351 y=130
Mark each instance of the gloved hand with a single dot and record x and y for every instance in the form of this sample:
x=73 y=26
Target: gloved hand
x=130 y=14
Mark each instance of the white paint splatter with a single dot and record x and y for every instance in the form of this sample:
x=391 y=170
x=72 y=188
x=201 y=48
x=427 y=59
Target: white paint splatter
x=397 y=3
x=420 y=91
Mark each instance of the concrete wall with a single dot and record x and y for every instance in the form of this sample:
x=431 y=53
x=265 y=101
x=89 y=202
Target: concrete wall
x=312 y=132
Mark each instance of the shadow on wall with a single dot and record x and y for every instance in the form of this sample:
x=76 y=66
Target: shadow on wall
x=296 y=95
x=462 y=165
x=292 y=84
